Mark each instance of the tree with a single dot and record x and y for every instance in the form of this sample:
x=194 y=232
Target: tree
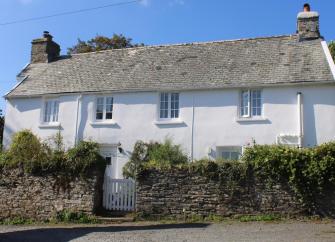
x=100 y=42
x=332 y=49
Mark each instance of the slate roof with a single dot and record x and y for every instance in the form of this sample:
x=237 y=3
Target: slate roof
x=211 y=65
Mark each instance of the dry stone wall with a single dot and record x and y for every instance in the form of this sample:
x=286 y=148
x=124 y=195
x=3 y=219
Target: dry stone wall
x=41 y=197
x=180 y=193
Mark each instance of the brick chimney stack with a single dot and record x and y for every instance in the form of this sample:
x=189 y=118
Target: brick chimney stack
x=44 y=50
x=308 y=24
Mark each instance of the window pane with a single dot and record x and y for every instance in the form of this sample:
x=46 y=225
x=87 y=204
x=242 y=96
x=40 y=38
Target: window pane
x=109 y=108
x=55 y=111
x=99 y=116
x=47 y=112
x=109 y=115
x=234 y=155
x=99 y=108
x=164 y=105
x=109 y=101
x=174 y=105
x=244 y=103
x=226 y=155
x=256 y=103
x=108 y=160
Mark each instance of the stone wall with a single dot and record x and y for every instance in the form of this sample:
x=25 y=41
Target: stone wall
x=179 y=193
x=41 y=197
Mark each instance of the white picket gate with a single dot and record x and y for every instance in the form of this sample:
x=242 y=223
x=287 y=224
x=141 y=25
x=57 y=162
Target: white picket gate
x=119 y=194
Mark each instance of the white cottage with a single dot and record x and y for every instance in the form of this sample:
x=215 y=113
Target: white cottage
x=213 y=98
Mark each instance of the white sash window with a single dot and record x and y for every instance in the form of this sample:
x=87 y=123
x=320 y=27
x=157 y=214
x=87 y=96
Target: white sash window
x=104 y=108
x=169 y=106
x=251 y=103
x=50 y=112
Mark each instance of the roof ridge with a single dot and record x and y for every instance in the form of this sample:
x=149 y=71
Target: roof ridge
x=187 y=44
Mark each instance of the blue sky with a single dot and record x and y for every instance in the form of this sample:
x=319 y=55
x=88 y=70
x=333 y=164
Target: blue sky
x=151 y=22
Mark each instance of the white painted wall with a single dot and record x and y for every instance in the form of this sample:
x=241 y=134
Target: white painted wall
x=215 y=114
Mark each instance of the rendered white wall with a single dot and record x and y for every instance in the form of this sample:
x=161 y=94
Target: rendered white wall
x=215 y=122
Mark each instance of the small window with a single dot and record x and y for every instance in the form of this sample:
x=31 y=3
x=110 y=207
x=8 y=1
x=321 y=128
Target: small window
x=104 y=108
x=50 y=113
x=169 y=106
x=229 y=152
x=251 y=103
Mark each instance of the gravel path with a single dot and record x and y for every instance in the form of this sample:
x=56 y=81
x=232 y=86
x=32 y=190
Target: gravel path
x=146 y=232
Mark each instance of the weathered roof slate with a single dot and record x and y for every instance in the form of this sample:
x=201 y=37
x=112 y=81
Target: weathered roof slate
x=212 y=65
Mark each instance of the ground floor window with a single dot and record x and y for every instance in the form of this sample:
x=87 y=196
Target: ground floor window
x=229 y=152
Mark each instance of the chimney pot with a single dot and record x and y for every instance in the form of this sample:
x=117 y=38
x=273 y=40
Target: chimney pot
x=44 y=49
x=307 y=7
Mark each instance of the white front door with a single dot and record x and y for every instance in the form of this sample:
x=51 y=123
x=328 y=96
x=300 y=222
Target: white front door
x=110 y=155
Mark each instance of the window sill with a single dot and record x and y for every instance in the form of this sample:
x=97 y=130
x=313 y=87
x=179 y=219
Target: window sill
x=103 y=123
x=50 y=125
x=252 y=119
x=168 y=122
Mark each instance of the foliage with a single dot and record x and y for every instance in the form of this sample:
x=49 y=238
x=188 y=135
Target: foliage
x=2 y=124
x=74 y=217
x=100 y=42
x=27 y=152
x=33 y=156
x=310 y=172
x=16 y=221
x=83 y=157
x=332 y=49
x=265 y=217
x=232 y=172
x=159 y=155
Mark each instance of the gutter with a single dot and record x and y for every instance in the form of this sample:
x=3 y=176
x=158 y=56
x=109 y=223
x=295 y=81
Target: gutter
x=78 y=114
x=275 y=85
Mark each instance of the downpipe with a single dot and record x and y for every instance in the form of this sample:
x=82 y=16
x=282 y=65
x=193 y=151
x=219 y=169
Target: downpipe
x=300 y=119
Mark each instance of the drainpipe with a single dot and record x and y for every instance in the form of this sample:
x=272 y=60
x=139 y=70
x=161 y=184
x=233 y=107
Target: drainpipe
x=300 y=119
x=77 y=118
x=192 y=131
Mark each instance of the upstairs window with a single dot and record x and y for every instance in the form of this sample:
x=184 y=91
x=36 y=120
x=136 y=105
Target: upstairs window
x=104 y=108
x=169 y=106
x=50 y=113
x=251 y=103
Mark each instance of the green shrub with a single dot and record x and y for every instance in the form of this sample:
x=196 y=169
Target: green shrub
x=157 y=155
x=83 y=157
x=33 y=156
x=27 y=151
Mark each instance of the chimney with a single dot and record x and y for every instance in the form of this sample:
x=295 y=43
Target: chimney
x=44 y=50
x=308 y=24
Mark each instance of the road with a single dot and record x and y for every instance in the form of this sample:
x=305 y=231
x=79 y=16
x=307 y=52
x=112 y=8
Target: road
x=147 y=232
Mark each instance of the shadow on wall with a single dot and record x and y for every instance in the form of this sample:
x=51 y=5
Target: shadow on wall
x=67 y=234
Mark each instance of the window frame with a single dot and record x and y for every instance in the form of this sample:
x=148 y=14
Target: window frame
x=250 y=109
x=169 y=109
x=52 y=121
x=231 y=149
x=104 y=109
